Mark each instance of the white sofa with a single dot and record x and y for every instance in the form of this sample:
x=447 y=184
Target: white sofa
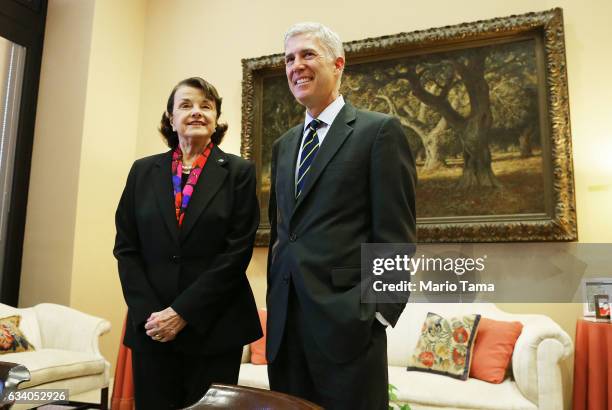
x=536 y=375
x=66 y=355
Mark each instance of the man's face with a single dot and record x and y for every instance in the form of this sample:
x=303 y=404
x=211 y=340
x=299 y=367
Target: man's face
x=311 y=73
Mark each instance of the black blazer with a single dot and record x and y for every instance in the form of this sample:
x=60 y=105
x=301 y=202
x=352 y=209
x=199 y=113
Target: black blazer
x=360 y=189
x=199 y=269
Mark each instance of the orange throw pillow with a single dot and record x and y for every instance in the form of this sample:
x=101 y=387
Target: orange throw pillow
x=493 y=349
x=258 y=347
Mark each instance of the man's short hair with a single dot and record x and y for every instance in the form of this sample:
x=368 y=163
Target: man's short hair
x=329 y=39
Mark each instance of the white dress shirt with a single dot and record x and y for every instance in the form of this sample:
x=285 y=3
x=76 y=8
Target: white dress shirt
x=327 y=117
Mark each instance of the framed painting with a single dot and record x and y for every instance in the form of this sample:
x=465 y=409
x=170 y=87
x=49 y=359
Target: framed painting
x=602 y=307
x=485 y=109
x=591 y=288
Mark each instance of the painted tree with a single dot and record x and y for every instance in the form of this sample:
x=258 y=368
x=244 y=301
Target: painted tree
x=379 y=89
x=473 y=128
x=511 y=74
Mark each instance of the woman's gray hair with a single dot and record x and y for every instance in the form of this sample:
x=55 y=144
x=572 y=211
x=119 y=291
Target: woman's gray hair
x=330 y=40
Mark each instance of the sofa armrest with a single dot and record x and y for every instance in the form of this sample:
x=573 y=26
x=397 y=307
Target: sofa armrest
x=65 y=328
x=538 y=352
x=246 y=354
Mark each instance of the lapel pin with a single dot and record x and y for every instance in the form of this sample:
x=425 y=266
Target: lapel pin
x=220 y=160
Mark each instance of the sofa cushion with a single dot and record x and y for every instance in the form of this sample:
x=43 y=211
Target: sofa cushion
x=12 y=340
x=47 y=365
x=427 y=389
x=493 y=349
x=435 y=391
x=445 y=345
x=252 y=375
x=403 y=337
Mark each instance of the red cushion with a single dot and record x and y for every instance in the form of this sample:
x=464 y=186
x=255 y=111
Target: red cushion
x=493 y=349
x=258 y=347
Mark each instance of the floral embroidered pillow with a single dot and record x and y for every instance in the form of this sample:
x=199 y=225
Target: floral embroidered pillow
x=11 y=338
x=445 y=346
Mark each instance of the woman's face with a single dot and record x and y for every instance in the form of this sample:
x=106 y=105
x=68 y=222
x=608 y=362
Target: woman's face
x=194 y=116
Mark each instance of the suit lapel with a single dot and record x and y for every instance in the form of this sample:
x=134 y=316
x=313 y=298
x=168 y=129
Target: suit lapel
x=337 y=133
x=286 y=167
x=294 y=149
x=211 y=179
x=164 y=194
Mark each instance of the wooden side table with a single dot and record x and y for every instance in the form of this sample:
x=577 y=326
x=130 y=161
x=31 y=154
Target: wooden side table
x=593 y=365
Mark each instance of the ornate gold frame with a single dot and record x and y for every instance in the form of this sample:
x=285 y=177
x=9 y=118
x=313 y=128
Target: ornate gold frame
x=559 y=222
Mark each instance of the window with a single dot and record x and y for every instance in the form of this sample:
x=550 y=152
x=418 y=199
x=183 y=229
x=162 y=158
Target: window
x=22 y=28
x=12 y=60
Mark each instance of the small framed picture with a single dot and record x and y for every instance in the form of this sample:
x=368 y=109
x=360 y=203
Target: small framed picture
x=592 y=287
x=602 y=307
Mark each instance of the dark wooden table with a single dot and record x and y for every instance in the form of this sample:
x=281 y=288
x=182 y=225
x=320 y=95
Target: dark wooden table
x=223 y=396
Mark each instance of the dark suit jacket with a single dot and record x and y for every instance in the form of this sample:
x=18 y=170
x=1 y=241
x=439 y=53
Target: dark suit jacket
x=360 y=189
x=198 y=269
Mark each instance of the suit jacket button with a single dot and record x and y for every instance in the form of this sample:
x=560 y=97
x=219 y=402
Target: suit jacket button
x=292 y=237
x=175 y=259
x=286 y=279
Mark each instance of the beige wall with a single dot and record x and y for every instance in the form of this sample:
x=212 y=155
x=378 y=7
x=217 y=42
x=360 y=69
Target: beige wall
x=84 y=144
x=49 y=235
x=102 y=108
x=110 y=121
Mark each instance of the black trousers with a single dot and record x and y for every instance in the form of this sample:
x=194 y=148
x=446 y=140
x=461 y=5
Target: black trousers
x=176 y=380
x=301 y=369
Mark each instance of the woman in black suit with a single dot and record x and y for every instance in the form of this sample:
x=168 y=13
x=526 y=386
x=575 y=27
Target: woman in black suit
x=186 y=224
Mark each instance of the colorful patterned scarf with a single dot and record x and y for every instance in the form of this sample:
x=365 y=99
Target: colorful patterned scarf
x=182 y=196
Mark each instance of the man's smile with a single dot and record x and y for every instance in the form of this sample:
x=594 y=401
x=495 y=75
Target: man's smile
x=302 y=80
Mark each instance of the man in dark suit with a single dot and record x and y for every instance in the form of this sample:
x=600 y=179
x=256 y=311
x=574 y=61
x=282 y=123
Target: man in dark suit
x=342 y=178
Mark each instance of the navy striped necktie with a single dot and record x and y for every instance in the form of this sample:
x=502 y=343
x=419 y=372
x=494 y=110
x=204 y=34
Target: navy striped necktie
x=309 y=150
